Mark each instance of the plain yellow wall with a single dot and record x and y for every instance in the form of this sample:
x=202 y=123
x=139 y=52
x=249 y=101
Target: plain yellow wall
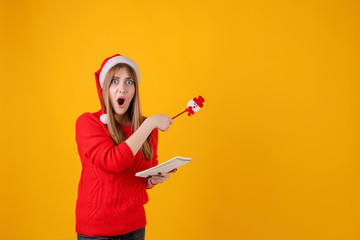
x=275 y=149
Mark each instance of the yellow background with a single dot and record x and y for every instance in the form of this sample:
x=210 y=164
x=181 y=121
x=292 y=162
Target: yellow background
x=275 y=149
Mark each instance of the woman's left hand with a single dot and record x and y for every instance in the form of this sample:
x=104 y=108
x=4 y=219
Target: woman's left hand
x=162 y=177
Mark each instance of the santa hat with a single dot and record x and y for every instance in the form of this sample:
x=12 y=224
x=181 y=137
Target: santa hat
x=199 y=101
x=100 y=75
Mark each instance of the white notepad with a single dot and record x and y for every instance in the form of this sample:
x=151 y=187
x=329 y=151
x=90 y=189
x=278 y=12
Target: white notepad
x=164 y=167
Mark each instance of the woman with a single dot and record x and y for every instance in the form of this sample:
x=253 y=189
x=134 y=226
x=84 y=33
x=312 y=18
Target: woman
x=115 y=143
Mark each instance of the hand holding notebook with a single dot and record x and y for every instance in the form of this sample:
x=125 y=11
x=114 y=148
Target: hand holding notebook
x=164 y=167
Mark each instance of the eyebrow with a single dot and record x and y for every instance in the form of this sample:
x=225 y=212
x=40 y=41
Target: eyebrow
x=125 y=78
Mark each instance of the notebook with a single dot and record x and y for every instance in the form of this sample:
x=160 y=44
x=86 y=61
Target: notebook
x=164 y=167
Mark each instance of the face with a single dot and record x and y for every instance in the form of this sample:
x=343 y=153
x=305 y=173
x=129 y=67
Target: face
x=121 y=91
x=193 y=105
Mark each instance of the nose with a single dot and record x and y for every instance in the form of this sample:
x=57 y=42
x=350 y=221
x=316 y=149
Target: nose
x=121 y=87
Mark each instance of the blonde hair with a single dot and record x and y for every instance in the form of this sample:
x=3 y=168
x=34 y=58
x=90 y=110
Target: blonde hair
x=134 y=111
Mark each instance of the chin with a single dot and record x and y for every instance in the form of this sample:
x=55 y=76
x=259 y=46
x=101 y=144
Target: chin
x=121 y=111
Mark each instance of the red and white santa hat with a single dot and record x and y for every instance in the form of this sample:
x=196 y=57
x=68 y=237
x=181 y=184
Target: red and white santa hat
x=199 y=101
x=100 y=75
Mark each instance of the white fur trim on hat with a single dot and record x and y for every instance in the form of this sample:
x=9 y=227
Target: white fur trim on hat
x=104 y=118
x=112 y=62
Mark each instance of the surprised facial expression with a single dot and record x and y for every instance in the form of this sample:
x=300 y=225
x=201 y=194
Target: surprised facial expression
x=121 y=91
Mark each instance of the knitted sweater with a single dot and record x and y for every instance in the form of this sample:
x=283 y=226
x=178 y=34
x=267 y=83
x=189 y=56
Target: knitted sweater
x=110 y=198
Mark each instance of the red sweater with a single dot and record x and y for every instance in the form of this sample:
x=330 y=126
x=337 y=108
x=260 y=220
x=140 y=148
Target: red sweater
x=110 y=198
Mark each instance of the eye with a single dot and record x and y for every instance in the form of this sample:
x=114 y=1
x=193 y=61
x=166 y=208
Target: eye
x=130 y=81
x=114 y=81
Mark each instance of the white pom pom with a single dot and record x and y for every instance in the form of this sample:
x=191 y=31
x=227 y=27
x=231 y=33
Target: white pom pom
x=104 y=118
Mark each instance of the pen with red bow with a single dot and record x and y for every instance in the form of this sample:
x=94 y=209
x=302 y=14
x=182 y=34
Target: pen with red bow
x=193 y=106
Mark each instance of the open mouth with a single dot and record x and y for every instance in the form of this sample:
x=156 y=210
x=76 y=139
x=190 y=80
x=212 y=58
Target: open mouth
x=121 y=101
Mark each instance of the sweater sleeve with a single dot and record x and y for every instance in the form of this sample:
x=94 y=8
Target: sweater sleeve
x=154 y=143
x=94 y=143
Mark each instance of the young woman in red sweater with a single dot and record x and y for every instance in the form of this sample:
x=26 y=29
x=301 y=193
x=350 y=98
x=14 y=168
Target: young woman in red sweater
x=115 y=143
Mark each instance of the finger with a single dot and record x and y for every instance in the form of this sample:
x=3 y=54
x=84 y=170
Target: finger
x=159 y=180
x=154 y=182
x=173 y=171
x=155 y=179
x=162 y=175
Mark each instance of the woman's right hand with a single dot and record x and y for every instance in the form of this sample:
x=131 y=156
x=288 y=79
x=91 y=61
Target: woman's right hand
x=161 y=121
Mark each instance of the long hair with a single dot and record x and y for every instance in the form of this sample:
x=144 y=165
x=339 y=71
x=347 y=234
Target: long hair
x=134 y=111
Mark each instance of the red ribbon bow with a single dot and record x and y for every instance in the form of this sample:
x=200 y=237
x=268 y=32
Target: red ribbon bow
x=190 y=111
